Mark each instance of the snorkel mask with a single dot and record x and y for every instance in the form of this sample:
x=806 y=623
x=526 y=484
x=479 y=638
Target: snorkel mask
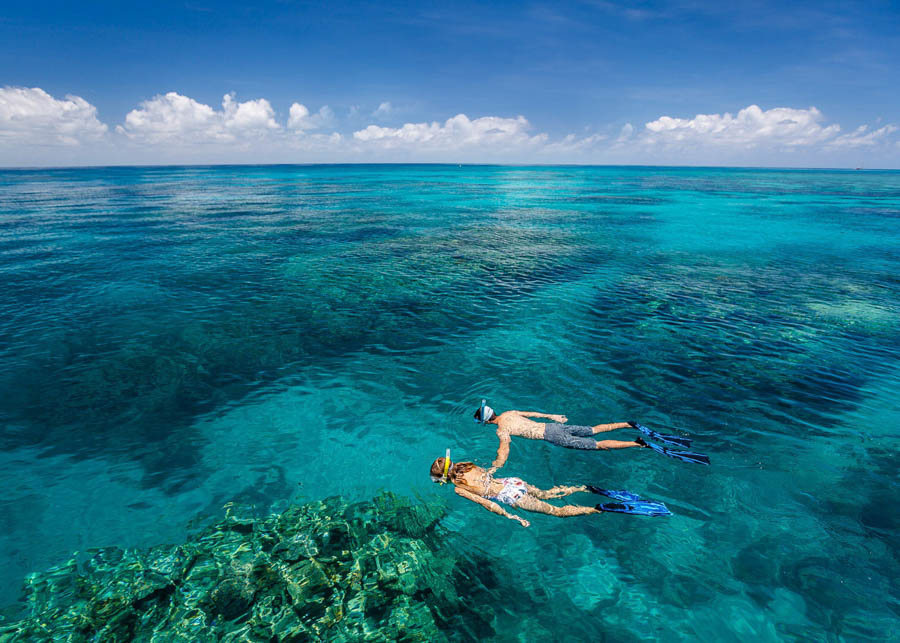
x=484 y=412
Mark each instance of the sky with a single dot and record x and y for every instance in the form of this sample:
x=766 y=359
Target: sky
x=753 y=83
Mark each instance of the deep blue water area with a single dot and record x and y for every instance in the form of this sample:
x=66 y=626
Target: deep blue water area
x=174 y=339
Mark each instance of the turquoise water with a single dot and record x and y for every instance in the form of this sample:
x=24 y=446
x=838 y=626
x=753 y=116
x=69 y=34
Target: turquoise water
x=172 y=339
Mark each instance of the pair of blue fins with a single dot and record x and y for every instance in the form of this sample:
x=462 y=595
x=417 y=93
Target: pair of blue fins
x=632 y=503
x=674 y=440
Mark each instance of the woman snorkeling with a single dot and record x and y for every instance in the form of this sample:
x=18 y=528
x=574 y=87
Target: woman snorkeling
x=480 y=486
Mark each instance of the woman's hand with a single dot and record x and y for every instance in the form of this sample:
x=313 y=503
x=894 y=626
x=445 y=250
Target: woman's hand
x=521 y=520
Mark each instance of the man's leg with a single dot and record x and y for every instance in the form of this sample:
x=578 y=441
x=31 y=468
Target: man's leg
x=574 y=437
x=603 y=428
x=605 y=445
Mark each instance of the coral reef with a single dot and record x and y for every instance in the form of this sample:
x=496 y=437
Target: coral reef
x=328 y=570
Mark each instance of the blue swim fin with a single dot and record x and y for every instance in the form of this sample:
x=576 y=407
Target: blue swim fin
x=674 y=440
x=638 y=508
x=624 y=496
x=686 y=456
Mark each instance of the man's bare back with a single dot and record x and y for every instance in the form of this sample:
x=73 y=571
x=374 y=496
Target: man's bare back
x=510 y=423
x=517 y=423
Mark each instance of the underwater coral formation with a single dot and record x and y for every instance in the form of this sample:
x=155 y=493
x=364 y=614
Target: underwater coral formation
x=328 y=570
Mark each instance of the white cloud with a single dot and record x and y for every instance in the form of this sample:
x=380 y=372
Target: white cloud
x=301 y=120
x=624 y=136
x=751 y=127
x=456 y=132
x=250 y=116
x=36 y=128
x=32 y=116
x=860 y=138
x=173 y=117
x=329 y=144
x=570 y=144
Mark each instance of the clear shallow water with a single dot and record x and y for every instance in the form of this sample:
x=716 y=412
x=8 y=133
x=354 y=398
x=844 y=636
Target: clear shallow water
x=172 y=339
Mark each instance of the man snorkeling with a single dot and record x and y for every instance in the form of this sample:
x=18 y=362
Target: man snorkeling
x=517 y=423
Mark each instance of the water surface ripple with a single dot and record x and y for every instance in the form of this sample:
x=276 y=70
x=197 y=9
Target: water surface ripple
x=172 y=339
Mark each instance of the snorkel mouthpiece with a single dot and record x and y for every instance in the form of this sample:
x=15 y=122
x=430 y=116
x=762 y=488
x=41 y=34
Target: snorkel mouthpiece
x=445 y=477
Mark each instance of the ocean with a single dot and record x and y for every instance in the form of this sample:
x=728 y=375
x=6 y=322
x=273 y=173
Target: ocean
x=173 y=339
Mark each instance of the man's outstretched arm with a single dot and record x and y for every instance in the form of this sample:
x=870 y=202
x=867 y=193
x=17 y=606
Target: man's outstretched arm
x=535 y=414
x=502 y=450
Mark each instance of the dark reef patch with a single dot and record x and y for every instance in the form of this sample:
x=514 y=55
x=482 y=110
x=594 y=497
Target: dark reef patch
x=380 y=570
x=753 y=329
x=143 y=361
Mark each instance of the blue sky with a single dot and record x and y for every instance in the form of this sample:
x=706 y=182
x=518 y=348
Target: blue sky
x=585 y=82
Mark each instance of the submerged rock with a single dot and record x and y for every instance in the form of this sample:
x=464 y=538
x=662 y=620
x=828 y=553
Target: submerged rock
x=329 y=570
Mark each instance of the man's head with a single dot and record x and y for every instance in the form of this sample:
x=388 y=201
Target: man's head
x=488 y=414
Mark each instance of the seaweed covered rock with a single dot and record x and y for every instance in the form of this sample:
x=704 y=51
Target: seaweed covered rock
x=329 y=570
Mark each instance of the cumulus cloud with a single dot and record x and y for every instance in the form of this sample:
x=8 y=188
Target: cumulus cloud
x=173 y=117
x=249 y=116
x=37 y=128
x=300 y=119
x=34 y=117
x=751 y=127
x=457 y=132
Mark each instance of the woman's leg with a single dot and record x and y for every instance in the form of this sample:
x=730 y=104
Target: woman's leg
x=530 y=503
x=554 y=492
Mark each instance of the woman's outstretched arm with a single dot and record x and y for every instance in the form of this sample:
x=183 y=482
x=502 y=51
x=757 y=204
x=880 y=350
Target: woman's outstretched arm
x=491 y=506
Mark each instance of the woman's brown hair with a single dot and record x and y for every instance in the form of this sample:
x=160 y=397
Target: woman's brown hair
x=457 y=471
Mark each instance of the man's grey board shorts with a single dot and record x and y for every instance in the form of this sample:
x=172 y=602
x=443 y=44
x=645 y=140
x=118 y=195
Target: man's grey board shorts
x=571 y=437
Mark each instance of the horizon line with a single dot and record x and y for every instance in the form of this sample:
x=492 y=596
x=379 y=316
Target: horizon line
x=440 y=164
